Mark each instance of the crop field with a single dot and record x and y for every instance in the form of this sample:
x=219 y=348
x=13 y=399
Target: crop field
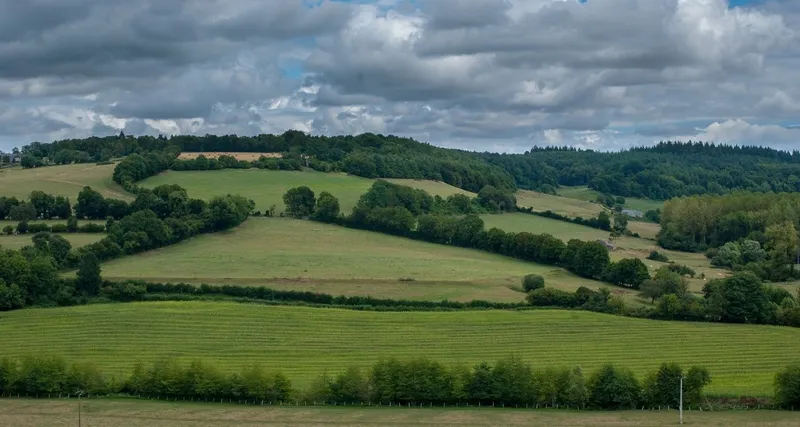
x=587 y=194
x=66 y=180
x=561 y=205
x=627 y=247
x=140 y=413
x=304 y=342
x=293 y=254
x=76 y=239
x=267 y=187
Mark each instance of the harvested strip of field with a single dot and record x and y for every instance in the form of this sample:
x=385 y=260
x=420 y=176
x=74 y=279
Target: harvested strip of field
x=186 y=155
x=568 y=207
x=304 y=342
x=76 y=239
x=306 y=255
x=66 y=180
x=139 y=413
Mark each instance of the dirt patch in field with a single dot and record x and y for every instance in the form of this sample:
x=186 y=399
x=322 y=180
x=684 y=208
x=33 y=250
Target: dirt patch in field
x=237 y=155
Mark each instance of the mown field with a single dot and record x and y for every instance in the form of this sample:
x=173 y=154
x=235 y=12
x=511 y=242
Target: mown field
x=140 y=413
x=305 y=342
x=627 y=247
x=267 y=187
x=293 y=254
x=76 y=239
x=66 y=180
x=586 y=194
x=561 y=205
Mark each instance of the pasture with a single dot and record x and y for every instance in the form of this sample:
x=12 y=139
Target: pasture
x=76 y=239
x=139 y=413
x=66 y=180
x=304 y=342
x=561 y=205
x=304 y=255
x=267 y=187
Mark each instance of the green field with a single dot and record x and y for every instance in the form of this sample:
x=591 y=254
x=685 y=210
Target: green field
x=67 y=180
x=627 y=247
x=76 y=239
x=140 y=413
x=586 y=194
x=267 y=187
x=569 y=207
x=304 y=342
x=294 y=254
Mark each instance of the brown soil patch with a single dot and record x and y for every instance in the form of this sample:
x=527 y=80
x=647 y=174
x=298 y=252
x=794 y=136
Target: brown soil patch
x=237 y=155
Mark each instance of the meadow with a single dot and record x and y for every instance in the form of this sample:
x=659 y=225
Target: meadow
x=140 y=413
x=293 y=254
x=304 y=342
x=267 y=187
x=66 y=180
x=76 y=239
x=566 y=206
x=587 y=194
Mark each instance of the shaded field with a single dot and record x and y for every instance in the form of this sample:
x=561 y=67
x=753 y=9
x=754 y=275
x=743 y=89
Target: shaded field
x=66 y=180
x=305 y=255
x=627 y=247
x=139 y=413
x=587 y=194
x=76 y=239
x=304 y=342
x=267 y=187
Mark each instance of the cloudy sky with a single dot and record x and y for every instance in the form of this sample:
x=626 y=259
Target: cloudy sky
x=496 y=75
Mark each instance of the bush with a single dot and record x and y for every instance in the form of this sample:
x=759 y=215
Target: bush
x=682 y=270
x=92 y=228
x=787 y=387
x=9 y=230
x=38 y=227
x=59 y=228
x=550 y=297
x=22 y=227
x=532 y=282
x=657 y=256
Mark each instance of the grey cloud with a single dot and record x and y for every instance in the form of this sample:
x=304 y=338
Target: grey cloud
x=451 y=14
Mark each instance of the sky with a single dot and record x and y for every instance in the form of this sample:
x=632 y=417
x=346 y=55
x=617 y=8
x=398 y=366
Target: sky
x=486 y=75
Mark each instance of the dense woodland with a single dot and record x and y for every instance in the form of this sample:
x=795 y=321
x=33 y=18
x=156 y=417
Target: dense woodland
x=669 y=169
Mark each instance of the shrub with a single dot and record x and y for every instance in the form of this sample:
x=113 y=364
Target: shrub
x=682 y=270
x=532 y=282
x=22 y=227
x=657 y=256
x=59 y=228
x=787 y=387
x=92 y=228
x=38 y=227
x=9 y=230
x=550 y=297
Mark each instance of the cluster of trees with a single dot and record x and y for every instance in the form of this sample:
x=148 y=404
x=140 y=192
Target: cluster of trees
x=508 y=382
x=203 y=163
x=156 y=218
x=71 y=226
x=137 y=167
x=754 y=232
x=39 y=205
x=667 y=170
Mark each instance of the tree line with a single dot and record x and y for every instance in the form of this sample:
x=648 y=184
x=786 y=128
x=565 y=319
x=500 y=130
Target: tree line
x=507 y=382
x=159 y=217
x=742 y=231
x=667 y=170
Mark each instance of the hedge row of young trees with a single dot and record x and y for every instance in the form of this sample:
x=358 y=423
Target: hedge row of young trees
x=508 y=382
x=162 y=216
x=71 y=226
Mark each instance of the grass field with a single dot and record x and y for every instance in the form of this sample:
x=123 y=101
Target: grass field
x=67 y=180
x=627 y=247
x=140 y=413
x=561 y=205
x=586 y=194
x=304 y=342
x=267 y=188
x=285 y=253
x=76 y=239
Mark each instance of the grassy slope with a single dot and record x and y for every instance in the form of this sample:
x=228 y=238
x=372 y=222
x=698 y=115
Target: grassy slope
x=561 y=205
x=67 y=180
x=139 y=413
x=304 y=342
x=294 y=254
x=627 y=247
x=77 y=239
x=586 y=194
x=268 y=187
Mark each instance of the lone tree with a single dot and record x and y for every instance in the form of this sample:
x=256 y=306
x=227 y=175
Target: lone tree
x=89 y=279
x=532 y=282
x=299 y=202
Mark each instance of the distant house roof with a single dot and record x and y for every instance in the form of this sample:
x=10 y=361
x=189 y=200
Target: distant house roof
x=633 y=212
